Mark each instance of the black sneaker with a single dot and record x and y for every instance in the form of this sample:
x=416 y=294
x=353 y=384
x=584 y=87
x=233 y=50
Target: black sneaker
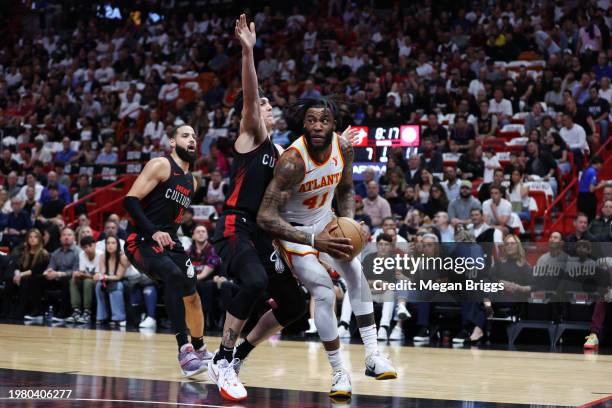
x=461 y=337
x=85 y=318
x=422 y=334
x=74 y=318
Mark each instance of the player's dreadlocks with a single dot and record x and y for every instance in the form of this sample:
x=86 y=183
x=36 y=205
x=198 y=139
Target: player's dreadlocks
x=296 y=111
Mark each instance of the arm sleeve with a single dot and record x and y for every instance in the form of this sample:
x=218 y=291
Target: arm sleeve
x=134 y=209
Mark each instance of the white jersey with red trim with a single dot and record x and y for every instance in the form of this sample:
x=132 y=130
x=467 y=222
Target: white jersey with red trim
x=311 y=201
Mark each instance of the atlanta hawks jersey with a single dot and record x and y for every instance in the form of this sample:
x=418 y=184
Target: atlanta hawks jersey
x=311 y=201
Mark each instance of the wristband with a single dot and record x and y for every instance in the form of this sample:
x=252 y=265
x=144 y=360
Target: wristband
x=312 y=239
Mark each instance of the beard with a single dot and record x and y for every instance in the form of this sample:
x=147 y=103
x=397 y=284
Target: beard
x=327 y=141
x=185 y=155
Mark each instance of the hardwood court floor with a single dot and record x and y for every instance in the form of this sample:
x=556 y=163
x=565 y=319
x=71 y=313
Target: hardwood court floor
x=428 y=373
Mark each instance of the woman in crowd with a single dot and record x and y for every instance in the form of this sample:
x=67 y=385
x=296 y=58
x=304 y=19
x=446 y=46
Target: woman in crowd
x=557 y=147
x=392 y=165
x=423 y=186
x=518 y=195
x=437 y=201
x=512 y=269
x=112 y=268
x=82 y=232
x=31 y=260
x=394 y=191
x=51 y=237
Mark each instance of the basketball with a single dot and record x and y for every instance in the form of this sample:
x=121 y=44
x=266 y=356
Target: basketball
x=344 y=227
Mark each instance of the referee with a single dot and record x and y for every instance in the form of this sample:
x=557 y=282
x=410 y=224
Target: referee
x=587 y=201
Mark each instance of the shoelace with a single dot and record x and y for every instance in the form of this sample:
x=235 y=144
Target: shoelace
x=229 y=373
x=381 y=355
x=337 y=377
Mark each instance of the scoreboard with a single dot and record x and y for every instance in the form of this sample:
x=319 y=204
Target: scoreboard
x=375 y=143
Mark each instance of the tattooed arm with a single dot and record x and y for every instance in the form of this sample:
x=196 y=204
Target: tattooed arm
x=345 y=192
x=289 y=172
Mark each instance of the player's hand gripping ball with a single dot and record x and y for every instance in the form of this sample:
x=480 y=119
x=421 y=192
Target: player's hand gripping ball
x=344 y=227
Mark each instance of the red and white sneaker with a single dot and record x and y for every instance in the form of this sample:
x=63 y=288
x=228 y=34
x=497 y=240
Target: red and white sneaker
x=224 y=375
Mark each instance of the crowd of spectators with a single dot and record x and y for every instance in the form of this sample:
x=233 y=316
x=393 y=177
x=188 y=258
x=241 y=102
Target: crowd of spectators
x=78 y=89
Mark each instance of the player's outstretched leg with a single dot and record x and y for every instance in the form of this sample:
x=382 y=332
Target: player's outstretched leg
x=245 y=264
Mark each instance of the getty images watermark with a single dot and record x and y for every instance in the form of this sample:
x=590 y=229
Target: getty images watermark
x=473 y=271
x=410 y=265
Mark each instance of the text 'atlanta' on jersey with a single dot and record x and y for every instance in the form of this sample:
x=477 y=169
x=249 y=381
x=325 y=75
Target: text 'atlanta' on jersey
x=311 y=201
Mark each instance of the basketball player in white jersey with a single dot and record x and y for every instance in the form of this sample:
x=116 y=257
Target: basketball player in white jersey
x=296 y=209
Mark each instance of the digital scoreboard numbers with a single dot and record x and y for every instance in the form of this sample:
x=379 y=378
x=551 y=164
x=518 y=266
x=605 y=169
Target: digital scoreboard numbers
x=375 y=143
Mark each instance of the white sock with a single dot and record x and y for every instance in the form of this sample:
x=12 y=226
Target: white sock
x=369 y=338
x=347 y=310
x=387 y=314
x=335 y=359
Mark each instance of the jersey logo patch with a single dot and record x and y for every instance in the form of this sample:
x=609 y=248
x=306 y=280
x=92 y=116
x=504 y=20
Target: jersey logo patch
x=176 y=174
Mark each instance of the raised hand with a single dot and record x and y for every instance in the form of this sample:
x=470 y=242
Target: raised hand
x=351 y=134
x=245 y=33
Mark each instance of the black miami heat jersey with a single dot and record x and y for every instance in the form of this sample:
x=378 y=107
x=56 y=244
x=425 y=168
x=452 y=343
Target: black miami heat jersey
x=250 y=175
x=165 y=205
